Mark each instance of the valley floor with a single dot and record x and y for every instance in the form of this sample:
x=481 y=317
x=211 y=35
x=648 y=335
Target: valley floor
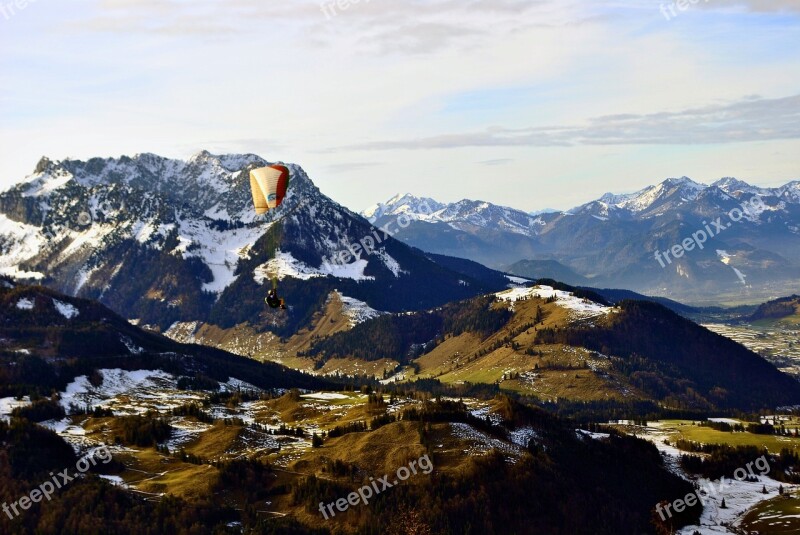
x=744 y=500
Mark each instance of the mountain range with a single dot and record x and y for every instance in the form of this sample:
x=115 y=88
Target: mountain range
x=163 y=240
x=612 y=241
x=133 y=246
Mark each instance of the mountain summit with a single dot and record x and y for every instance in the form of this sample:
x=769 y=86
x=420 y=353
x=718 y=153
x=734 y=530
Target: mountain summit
x=611 y=241
x=162 y=240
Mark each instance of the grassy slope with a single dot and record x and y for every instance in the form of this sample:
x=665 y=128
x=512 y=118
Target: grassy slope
x=683 y=429
x=458 y=359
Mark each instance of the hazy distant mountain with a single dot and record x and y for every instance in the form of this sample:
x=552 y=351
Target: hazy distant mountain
x=785 y=308
x=462 y=215
x=164 y=240
x=480 y=231
x=546 y=269
x=612 y=241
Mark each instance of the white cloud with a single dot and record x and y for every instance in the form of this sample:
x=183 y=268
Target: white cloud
x=751 y=119
x=519 y=84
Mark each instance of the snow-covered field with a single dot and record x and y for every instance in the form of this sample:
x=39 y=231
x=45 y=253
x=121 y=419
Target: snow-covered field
x=724 y=420
x=285 y=265
x=219 y=250
x=582 y=307
x=482 y=411
x=9 y=404
x=516 y=281
x=522 y=436
x=232 y=385
x=127 y=392
x=588 y=434
x=73 y=434
x=184 y=431
x=740 y=496
x=479 y=443
x=325 y=396
x=357 y=311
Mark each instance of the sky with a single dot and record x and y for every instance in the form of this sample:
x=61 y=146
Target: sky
x=532 y=104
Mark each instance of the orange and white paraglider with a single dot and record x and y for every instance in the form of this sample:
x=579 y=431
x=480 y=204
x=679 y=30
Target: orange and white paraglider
x=269 y=186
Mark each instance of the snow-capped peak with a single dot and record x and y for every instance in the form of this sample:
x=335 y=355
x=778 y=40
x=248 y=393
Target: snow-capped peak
x=461 y=214
x=736 y=188
x=403 y=204
x=194 y=216
x=790 y=192
x=670 y=193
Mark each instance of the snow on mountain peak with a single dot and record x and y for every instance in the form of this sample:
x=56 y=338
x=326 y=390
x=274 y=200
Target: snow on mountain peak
x=403 y=204
x=727 y=184
x=670 y=192
x=464 y=213
x=581 y=307
x=198 y=209
x=790 y=192
x=684 y=181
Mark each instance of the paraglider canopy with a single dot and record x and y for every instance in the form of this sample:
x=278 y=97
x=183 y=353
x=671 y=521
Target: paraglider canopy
x=269 y=185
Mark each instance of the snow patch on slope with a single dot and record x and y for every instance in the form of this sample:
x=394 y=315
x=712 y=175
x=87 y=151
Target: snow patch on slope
x=516 y=281
x=285 y=265
x=81 y=393
x=282 y=266
x=390 y=263
x=357 y=311
x=9 y=404
x=324 y=396
x=479 y=443
x=583 y=307
x=219 y=250
x=354 y=270
x=183 y=331
x=18 y=243
x=25 y=304
x=45 y=183
x=133 y=349
x=740 y=496
x=523 y=436
x=65 y=309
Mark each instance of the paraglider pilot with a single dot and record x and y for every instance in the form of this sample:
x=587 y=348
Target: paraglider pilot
x=274 y=301
x=269 y=186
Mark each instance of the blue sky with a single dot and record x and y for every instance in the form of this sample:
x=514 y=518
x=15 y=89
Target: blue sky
x=531 y=104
